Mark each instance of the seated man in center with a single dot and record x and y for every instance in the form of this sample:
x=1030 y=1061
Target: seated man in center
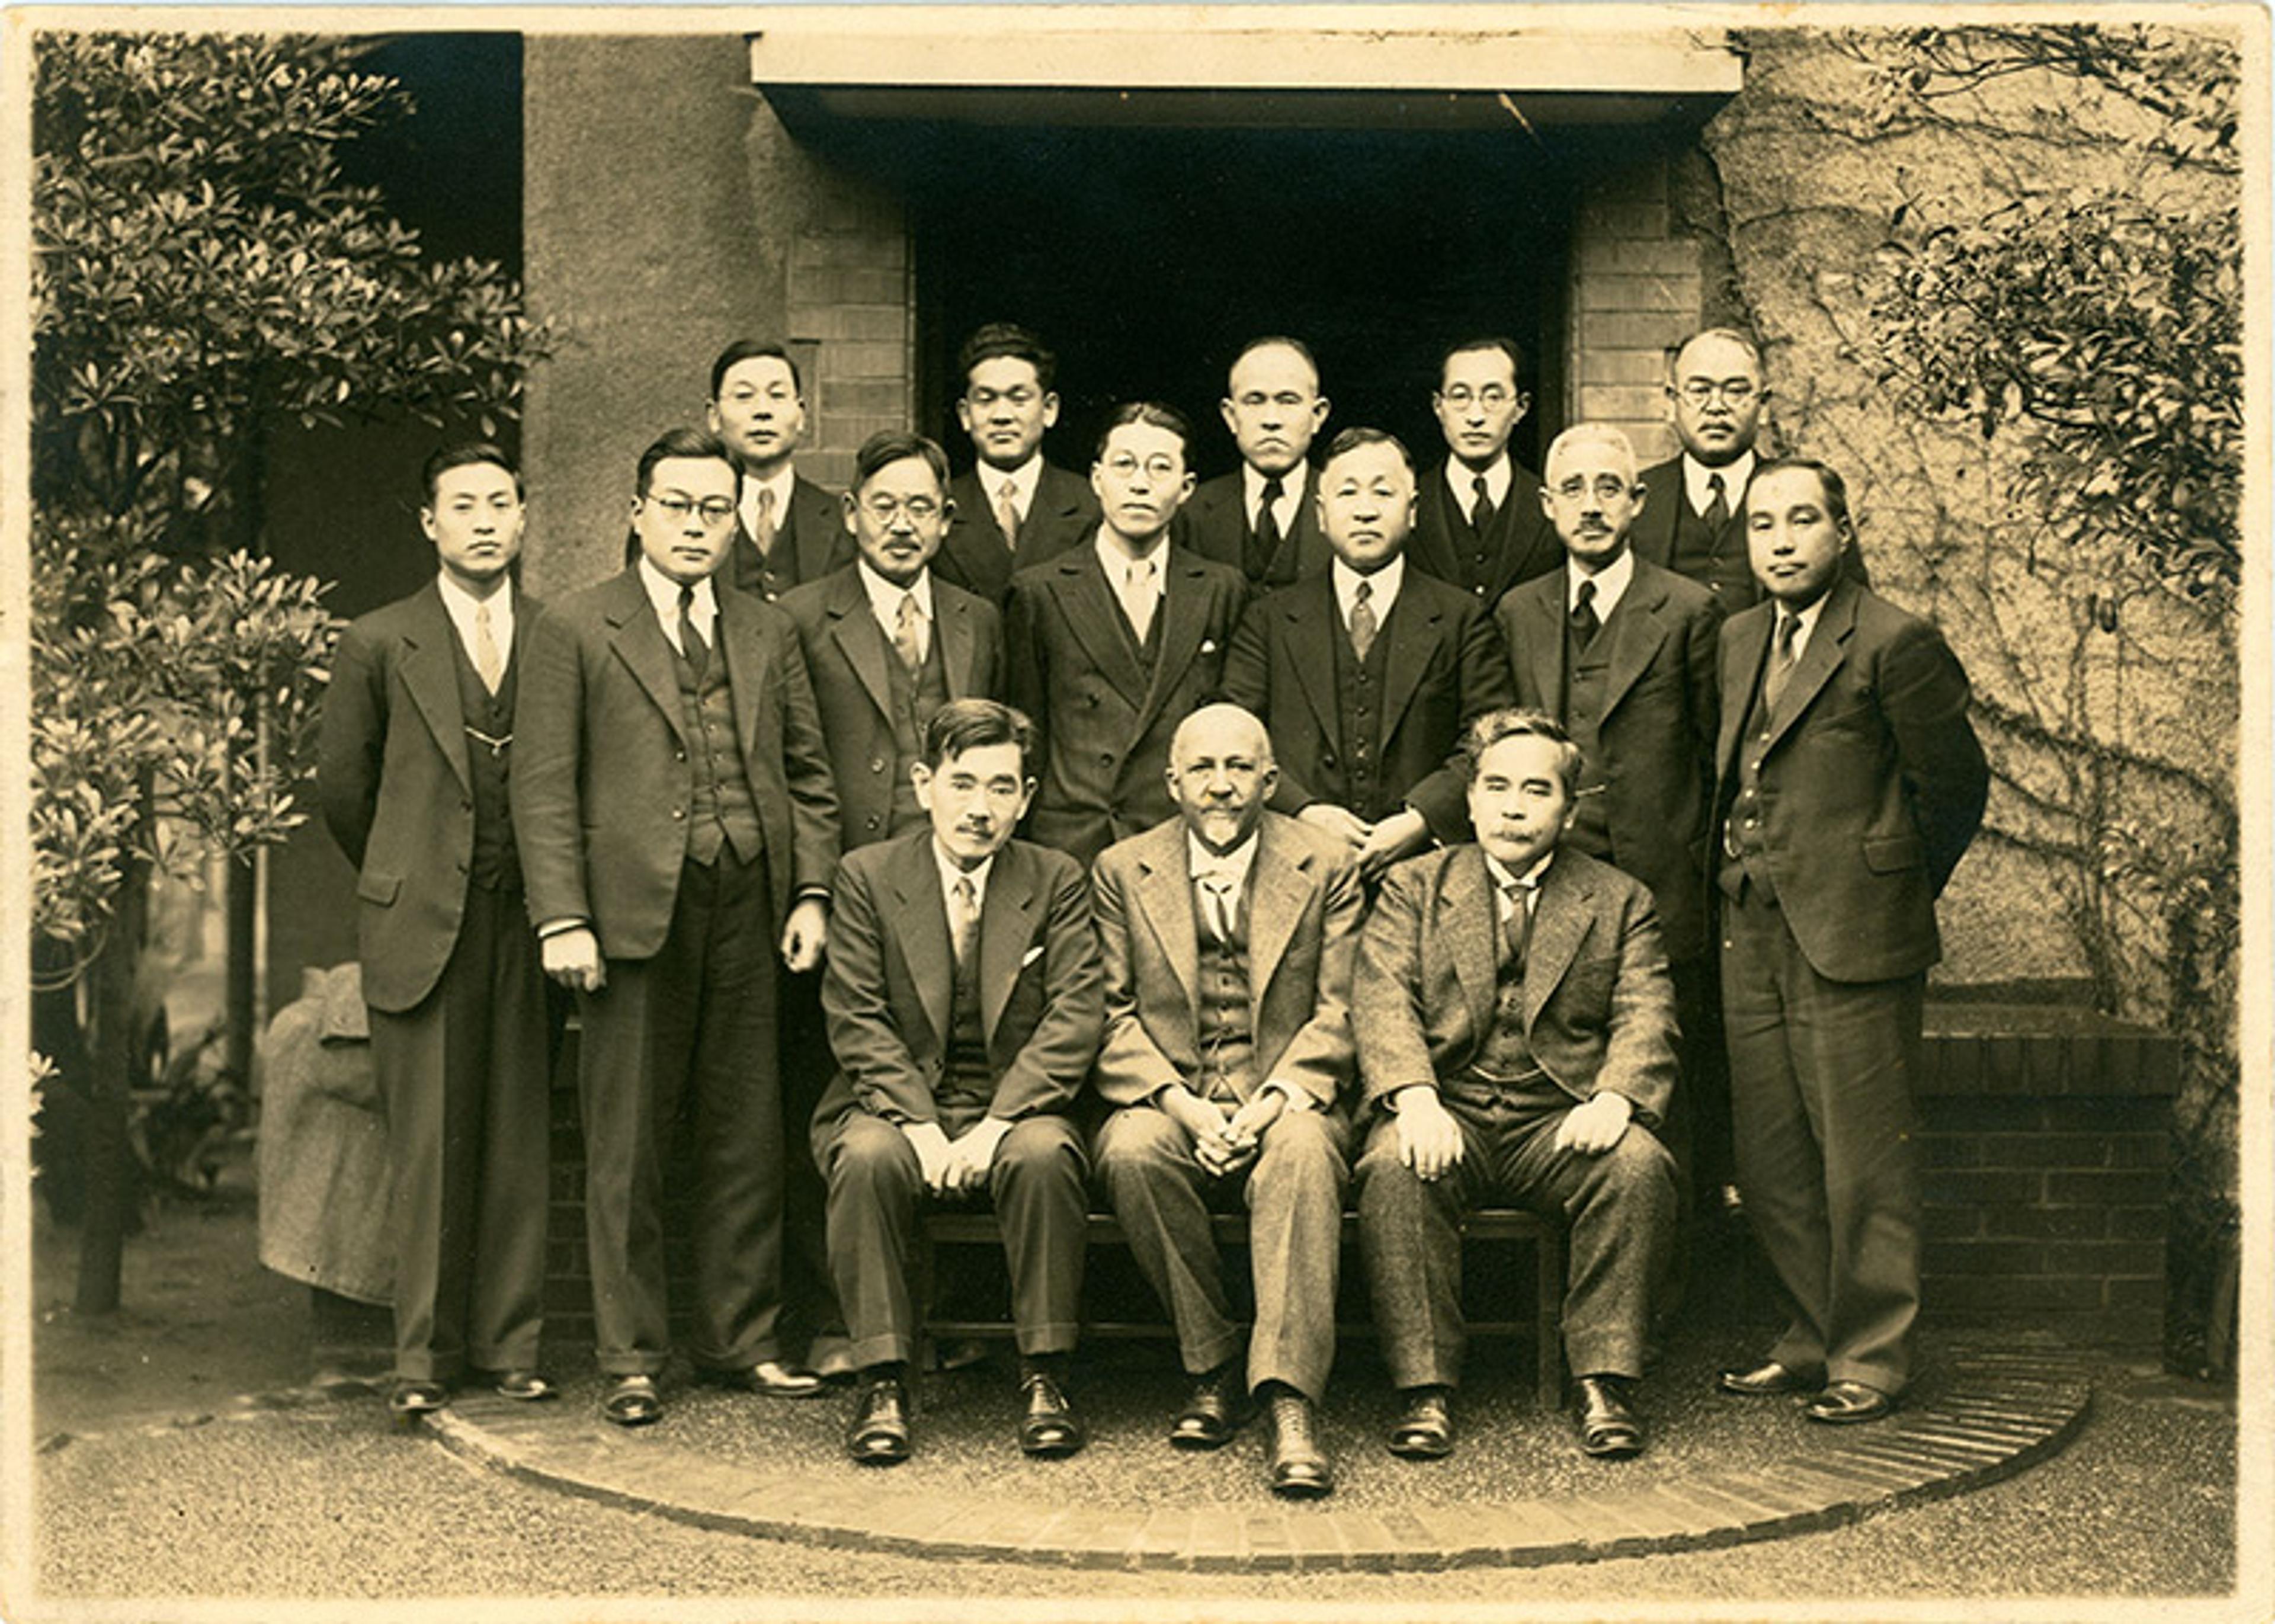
x=1228 y=932
x=961 y=989
x=1516 y=1033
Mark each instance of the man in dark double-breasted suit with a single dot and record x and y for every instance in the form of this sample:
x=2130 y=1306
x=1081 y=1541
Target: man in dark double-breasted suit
x=1622 y=652
x=417 y=741
x=1012 y=508
x=1262 y=518
x=962 y=991
x=788 y=530
x=1850 y=784
x=1365 y=675
x=1107 y=646
x=1477 y=522
x=679 y=827
x=1229 y=934
x=1516 y=1037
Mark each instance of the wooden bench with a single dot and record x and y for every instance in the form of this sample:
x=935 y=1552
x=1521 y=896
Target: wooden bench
x=958 y=1228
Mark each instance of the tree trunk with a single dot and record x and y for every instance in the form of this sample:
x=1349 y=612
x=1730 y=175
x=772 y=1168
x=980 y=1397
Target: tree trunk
x=109 y=1164
x=243 y=893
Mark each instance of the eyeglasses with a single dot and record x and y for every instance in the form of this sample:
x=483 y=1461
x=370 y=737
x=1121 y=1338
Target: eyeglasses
x=714 y=512
x=1123 y=465
x=884 y=510
x=1493 y=397
x=1700 y=391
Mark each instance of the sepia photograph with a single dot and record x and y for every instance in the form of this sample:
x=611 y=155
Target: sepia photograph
x=1157 y=812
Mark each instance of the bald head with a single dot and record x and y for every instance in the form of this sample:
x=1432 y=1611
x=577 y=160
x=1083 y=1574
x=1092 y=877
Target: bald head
x=1218 y=728
x=1220 y=774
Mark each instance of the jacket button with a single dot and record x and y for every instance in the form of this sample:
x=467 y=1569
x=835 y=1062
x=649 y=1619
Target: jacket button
x=872 y=821
x=679 y=811
x=1105 y=759
x=877 y=764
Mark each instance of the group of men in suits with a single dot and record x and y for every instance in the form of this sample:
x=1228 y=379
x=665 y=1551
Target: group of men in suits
x=1380 y=831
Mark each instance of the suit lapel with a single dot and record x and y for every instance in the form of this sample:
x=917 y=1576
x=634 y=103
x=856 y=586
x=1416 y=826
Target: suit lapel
x=1095 y=615
x=1007 y=924
x=1652 y=538
x=640 y=642
x=1540 y=623
x=959 y=645
x=859 y=638
x=1828 y=647
x=1636 y=634
x=1468 y=918
x=921 y=923
x=1166 y=899
x=1312 y=618
x=1560 y=921
x=1414 y=629
x=1276 y=897
x=740 y=639
x=432 y=677
x=1183 y=617
x=819 y=525
x=1745 y=646
x=1436 y=521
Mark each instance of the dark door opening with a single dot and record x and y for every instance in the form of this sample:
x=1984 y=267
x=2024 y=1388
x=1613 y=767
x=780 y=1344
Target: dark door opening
x=1146 y=257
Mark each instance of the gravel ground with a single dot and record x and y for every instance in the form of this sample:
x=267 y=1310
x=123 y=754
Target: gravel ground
x=330 y=1501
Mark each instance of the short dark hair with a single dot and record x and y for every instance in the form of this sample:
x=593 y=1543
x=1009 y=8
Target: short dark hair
x=465 y=454
x=999 y=339
x=889 y=445
x=1508 y=347
x=750 y=350
x=1351 y=439
x=1744 y=340
x=682 y=443
x=1151 y=413
x=1275 y=340
x=1494 y=726
x=974 y=724
x=1828 y=480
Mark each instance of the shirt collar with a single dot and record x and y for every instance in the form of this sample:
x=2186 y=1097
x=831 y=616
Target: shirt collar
x=663 y=592
x=1808 y=618
x=1611 y=583
x=1292 y=485
x=884 y=598
x=950 y=872
x=1025 y=479
x=1461 y=480
x=1736 y=475
x=1503 y=878
x=1116 y=563
x=781 y=485
x=1382 y=587
x=1233 y=864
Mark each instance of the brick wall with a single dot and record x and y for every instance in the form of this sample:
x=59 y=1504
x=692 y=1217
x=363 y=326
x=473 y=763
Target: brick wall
x=1636 y=286
x=852 y=295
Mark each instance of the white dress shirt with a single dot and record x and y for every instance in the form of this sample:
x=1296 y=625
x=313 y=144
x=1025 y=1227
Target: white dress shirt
x=1736 y=475
x=1461 y=480
x=1611 y=583
x=663 y=592
x=1382 y=590
x=885 y=604
x=462 y=605
x=747 y=501
x=1287 y=509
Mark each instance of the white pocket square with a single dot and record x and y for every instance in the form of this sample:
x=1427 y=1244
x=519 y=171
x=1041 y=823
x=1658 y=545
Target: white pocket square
x=1033 y=954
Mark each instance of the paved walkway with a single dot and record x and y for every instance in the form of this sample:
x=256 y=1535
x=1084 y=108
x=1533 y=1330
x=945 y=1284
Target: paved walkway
x=1987 y=1417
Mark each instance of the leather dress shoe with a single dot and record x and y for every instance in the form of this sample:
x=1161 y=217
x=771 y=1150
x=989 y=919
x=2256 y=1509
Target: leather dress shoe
x=770 y=1377
x=1844 y=1403
x=526 y=1386
x=413 y=1396
x=879 y=1433
x=1766 y=1379
x=1048 y=1427
x=631 y=1401
x=1424 y=1431
x=1608 y=1426
x=1298 y=1467
x=1216 y=1410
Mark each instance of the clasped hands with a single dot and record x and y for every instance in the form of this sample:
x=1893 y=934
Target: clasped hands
x=1430 y=1140
x=953 y=1167
x=1223 y=1143
x=1374 y=846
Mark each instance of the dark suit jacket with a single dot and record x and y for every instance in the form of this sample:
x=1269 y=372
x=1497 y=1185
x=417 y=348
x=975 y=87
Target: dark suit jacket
x=1104 y=726
x=887 y=983
x=392 y=776
x=1524 y=544
x=1653 y=535
x=1656 y=749
x=1215 y=524
x=1064 y=512
x=814 y=528
x=1304 y=899
x=601 y=776
x=1872 y=782
x=846 y=652
x=1445 y=666
x=1599 y=1003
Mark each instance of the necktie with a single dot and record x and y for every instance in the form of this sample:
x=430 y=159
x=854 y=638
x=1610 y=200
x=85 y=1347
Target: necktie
x=1137 y=597
x=1007 y=514
x=1481 y=512
x=1362 y=626
x=908 y=633
x=1718 y=507
x=1267 y=523
x=964 y=920
x=1781 y=661
x=691 y=640
x=1584 y=622
x=488 y=665
x=1516 y=926
x=762 y=522
x=1218 y=888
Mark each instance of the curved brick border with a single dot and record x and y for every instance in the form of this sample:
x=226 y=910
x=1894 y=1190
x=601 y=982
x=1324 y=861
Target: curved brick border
x=1998 y=1415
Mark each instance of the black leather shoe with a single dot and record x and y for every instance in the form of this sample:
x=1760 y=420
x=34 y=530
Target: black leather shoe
x=770 y=1377
x=1608 y=1426
x=411 y=1397
x=1844 y=1403
x=1217 y=1410
x=526 y=1386
x=1298 y=1467
x=1424 y=1431
x=1766 y=1379
x=1047 y=1425
x=879 y=1432
x=631 y=1401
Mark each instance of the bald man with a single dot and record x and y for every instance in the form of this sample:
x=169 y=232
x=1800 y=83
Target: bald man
x=1229 y=934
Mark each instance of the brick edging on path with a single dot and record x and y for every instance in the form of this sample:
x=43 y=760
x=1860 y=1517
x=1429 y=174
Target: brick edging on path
x=1999 y=1415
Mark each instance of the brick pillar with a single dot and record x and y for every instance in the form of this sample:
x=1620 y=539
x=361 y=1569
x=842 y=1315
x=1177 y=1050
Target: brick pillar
x=1636 y=286
x=850 y=300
